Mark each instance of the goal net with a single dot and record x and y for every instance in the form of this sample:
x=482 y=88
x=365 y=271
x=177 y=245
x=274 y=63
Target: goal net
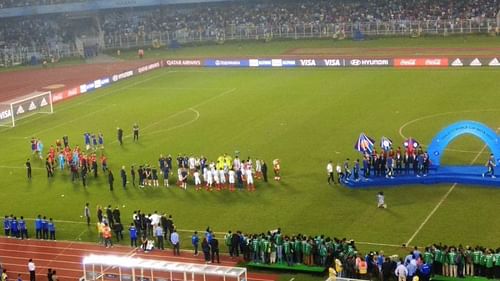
x=13 y=110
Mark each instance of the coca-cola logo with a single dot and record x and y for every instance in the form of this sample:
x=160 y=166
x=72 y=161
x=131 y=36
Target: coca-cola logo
x=408 y=62
x=57 y=97
x=431 y=62
x=72 y=92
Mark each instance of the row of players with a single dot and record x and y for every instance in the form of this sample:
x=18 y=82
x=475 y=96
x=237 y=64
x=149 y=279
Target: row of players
x=226 y=172
x=388 y=164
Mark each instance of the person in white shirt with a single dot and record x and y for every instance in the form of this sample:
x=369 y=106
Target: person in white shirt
x=236 y=163
x=258 y=169
x=329 y=171
x=232 y=177
x=210 y=180
x=249 y=177
x=197 y=180
x=31 y=269
x=222 y=177
x=381 y=200
x=155 y=219
x=205 y=174
x=215 y=175
x=179 y=177
x=340 y=174
x=401 y=271
x=191 y=164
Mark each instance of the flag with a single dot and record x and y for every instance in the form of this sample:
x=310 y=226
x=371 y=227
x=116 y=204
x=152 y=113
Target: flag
x=385 y=143
x=411 y=144
x=364 y=144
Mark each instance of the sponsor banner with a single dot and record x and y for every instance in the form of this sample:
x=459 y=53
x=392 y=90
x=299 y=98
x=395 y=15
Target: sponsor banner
x=90 y=86
x=331 y=62
x=30 y=105
x=105 y=81
x=277 y=63
x=97 y=84
x=308 y=62
x=59 y=96
x=227 y=63
x=494 y=62
x=265 y=63
x=148 y=67
x=83 y=88
x=5 y=112
x=194 y=62
x=122 y=75
x=288 y=63
x=368 y=62
x=474 y=62
x=421 y=62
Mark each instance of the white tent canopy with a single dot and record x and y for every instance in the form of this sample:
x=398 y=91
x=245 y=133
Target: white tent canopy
x=97 y=267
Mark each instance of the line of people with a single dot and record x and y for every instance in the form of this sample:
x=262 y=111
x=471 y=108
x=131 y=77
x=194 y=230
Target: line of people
x=386 y=164
x=225 y=173
x=17 y=228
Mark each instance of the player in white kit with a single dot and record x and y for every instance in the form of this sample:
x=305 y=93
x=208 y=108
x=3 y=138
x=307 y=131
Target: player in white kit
x=197 y=180
x=232 y=179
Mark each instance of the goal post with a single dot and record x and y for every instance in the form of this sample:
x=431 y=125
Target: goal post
x=22 y=107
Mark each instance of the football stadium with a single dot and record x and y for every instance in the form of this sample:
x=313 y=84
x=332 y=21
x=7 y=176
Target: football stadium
x=249 y=140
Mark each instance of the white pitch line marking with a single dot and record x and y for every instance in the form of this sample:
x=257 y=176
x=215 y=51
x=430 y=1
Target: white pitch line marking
x=442 y=200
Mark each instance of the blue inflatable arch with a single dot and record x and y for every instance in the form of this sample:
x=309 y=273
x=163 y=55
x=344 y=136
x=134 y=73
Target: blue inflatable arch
x=448 y=134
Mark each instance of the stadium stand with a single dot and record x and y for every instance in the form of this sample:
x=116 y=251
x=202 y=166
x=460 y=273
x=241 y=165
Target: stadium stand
x=84 y=33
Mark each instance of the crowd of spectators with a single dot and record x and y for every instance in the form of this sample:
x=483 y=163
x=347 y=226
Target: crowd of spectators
x=211 y=18
x=215 y=20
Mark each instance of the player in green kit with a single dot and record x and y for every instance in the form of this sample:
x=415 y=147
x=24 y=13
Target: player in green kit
x=497 y=264
x=482 y=263
x=279 y=245
x=452 y=265
x=287 y=251
x=306 y=249
x=297 y=249
x=438 y=264
x=228 y=242
x=265 y=250
x=255 y=249
x=323 y=253
x=476 y=261
x=429 y=259
x=489 y=263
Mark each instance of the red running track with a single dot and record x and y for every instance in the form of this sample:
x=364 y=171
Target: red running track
x=66 y=258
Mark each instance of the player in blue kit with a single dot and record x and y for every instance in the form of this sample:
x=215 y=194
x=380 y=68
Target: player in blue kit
x=22 y=228
x=61 y=160
x=100 y=139
x=6 y=226
x=14 y=227
x=133 y=235
x=86 y=139
x=52 y=229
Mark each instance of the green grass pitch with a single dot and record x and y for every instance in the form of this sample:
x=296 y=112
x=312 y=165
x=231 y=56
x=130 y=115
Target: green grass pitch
x=305 y=117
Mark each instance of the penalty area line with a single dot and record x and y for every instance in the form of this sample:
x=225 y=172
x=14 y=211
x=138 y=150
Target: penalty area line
x=444 y=198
